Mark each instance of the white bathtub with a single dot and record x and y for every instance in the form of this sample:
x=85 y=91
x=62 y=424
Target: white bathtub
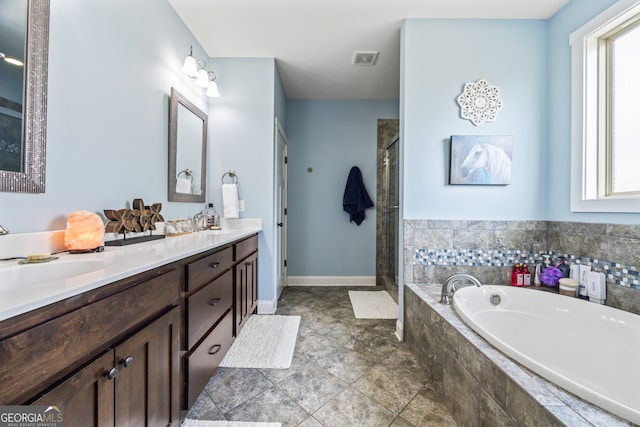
x=591 y=350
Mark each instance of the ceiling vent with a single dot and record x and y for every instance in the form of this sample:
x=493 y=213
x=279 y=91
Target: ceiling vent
x=364 y=58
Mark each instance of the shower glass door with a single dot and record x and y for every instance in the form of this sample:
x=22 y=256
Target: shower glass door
x=392 y=207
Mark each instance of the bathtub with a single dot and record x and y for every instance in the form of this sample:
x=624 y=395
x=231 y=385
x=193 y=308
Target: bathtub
x=590 y=350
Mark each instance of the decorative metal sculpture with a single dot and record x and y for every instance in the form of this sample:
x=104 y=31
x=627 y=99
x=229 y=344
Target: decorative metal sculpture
x=479 y=102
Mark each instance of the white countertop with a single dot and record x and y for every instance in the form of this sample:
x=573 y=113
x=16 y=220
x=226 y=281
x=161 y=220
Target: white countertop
x=115 y=263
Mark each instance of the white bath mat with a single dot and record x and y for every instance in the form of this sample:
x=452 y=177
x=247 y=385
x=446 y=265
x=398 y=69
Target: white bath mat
x=205 y=423
x=373 y=305
x=266 y=341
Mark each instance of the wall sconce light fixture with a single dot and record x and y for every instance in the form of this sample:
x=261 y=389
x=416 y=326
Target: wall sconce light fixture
x=196 y=69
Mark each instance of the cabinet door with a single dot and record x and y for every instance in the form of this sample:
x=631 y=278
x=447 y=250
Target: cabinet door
x=246 y=290
x=147 y=385
x=239 y=296
x=252 y=283
x=87 y=396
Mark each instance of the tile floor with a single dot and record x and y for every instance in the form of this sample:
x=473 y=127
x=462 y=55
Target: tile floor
x=345 y=372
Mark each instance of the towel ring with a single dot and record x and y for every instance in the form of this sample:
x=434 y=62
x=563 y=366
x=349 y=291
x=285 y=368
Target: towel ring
x=232 y=174
x=188 y=173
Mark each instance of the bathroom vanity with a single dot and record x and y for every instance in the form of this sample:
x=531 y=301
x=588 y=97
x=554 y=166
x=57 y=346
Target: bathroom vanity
x=135 y=341
x=220 y=293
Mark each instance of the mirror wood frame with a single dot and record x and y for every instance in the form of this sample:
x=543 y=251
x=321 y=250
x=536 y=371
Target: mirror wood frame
x=34 y=109
x=175 y=100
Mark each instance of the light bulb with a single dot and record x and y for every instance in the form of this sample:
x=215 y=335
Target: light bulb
x=190 y=67
x=14 y=61
x=203 y=78
x=212 y=90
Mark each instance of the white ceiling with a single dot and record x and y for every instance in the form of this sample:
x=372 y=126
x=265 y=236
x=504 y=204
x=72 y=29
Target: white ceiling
x=313 y=41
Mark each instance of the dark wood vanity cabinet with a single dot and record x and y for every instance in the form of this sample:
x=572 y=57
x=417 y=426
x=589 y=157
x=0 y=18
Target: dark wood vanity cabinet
x=246 y=281
x=109 y=356
x=208 y=306
x=220 y=292
x=136 y=351
x=246 y=290
x=134 y=384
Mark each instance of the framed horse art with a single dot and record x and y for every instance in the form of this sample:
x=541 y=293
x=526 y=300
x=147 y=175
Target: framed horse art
x=481 y=159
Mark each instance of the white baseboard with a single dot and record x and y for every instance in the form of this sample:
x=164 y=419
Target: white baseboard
x=267 y=306
x=400 y=330
x=331 y=281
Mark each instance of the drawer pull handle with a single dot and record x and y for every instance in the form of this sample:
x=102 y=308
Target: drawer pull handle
x=127 y=361
x=248 y=263
x=214 y=301
x=216 y=348
x=111 y=373
x=214 y=265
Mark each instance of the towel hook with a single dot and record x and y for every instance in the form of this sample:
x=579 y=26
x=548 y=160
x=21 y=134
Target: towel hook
x=188 y=173
x=232 y=174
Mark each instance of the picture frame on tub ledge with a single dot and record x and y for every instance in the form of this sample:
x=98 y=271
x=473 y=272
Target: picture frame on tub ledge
x=480 y=159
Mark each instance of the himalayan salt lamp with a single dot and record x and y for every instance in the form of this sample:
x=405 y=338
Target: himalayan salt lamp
x=85 y=231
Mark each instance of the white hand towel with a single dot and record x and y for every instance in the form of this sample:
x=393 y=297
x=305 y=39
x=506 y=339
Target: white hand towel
x=230 y=200
x=183 y=185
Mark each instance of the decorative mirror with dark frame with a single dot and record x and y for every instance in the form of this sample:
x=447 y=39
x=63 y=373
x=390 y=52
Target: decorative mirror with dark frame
x=24 y=26
x=187 y=150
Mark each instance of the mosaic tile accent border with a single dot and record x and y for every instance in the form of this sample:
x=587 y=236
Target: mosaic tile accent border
x=624 y=275
x=620 y=274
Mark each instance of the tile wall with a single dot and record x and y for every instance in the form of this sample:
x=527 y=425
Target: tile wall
x=435 y=249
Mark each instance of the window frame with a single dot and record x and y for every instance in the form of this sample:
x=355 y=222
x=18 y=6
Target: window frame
x=588 y=137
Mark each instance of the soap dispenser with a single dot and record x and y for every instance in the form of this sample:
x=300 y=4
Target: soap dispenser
x=596 y=287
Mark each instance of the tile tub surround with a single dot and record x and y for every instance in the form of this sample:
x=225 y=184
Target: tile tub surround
x=435 y=249
x=479 y=384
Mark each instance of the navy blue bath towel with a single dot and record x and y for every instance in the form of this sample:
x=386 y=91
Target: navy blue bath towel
x=356 y=199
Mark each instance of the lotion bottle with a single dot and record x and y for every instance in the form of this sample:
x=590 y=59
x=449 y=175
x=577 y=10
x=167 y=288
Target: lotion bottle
x=536 y=276
x=526 y=275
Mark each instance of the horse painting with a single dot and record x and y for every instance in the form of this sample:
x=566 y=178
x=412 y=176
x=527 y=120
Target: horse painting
x=485 y=163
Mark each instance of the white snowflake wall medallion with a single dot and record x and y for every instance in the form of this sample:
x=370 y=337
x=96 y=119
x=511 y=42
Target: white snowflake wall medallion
x=479 y=102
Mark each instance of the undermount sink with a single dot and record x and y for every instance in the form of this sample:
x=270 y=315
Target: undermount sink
x=22 y=276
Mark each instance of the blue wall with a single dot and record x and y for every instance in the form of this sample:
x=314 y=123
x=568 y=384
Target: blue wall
x=280 y=101
x=241 y=137
x=569 y=19
x=509 y=54
x=108 y=109
x=331 y=136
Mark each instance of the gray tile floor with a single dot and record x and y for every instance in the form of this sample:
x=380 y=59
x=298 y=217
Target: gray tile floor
x=345 y=372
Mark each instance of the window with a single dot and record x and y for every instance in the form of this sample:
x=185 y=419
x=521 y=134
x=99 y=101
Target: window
x=605 y=150
x=620 y=64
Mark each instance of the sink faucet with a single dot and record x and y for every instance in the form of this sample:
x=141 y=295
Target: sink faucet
x=3 y=230
x=453 y=283
x=197 y=221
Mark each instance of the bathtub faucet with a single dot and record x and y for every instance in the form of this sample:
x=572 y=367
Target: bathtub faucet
x=453 y=283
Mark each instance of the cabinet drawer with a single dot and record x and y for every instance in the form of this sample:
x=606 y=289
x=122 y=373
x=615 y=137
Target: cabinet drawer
x=37 y=357
x=207 y=305
x=246 y=247
x=201 y=272
x=202 y=363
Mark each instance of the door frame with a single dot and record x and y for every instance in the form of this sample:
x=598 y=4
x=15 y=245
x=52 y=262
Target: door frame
x=280 y=209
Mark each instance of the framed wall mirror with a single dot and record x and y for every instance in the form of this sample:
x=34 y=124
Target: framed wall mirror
x=187 y=150
x=24 y=46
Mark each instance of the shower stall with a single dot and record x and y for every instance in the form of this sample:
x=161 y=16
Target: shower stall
x=388 y=214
